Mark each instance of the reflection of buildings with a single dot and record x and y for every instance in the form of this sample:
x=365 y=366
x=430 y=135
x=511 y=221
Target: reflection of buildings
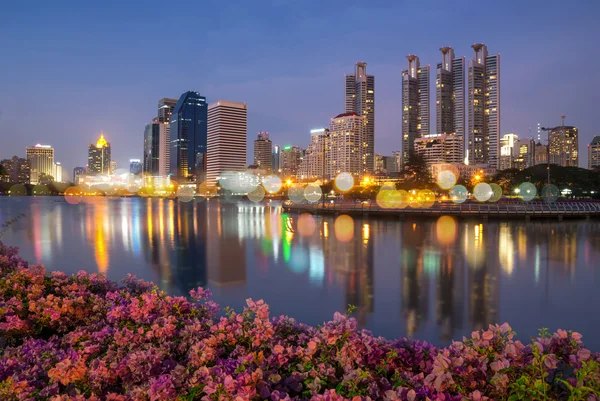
x=225 y=250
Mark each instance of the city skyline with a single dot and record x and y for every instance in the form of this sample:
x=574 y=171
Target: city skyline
x=278 y=88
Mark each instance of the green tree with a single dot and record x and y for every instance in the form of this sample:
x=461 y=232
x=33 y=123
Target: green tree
x=45 y=178
x=415 y=174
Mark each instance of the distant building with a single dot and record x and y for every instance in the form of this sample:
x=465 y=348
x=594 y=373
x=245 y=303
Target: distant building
x=564 y=146
x=484 y=107
x=346 y=134
x=113 y=167
x=152 y=148
x=227 y=135
x=275 y=163
x=450 y=95
x=438 y=148
x=165 y=109
x=263 y=151
x=510 y=149
x=188 y=138
x=415 y=104
x=99 y=157
x=78 y=174
x=594 y=153
x=466 y=171
x=57 y=172
x=314 y=163
x=135 y=166
x=290 y=158
x=390 y=164
x=398 y=157
x=359 y=98
x=540 y=154
x=17 y=170
x=41 y=161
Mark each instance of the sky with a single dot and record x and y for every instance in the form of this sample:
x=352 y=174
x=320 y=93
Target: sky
x=70 y=69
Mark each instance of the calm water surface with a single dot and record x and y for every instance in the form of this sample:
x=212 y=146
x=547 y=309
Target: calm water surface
x=429 y=279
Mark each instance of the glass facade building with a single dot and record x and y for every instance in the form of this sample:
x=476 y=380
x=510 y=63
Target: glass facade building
x=188 y=132
x=151 y=148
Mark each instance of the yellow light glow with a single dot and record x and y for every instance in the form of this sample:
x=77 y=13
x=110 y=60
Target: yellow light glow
x=101 y=142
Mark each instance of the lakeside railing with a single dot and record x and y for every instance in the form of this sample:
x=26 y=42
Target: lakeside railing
x=558 y=209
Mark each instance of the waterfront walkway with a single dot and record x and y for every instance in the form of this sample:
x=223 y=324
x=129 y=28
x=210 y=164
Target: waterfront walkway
x=534 y=209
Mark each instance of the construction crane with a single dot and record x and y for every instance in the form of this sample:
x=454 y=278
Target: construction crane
x=548 y=147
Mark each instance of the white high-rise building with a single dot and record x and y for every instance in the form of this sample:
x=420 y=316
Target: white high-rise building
x=415 y=104
x=484 y=107
x=360 y=99
x=313 y=165
x=41 y=161
x=58 y=176
x=346 y=136
x=510 y=151
x=226 y=140
x=440 y=148
x=164 y=149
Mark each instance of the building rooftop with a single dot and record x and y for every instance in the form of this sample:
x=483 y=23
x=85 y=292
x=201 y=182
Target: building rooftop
x=596 y=140
x=351 y=114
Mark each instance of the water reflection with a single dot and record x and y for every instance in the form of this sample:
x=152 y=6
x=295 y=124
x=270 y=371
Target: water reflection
x=432 y=279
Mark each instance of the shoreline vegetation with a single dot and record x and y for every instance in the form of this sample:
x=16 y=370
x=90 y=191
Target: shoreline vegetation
x=83 y=337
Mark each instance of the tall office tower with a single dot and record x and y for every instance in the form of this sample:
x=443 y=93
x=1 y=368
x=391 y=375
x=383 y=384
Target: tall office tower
x=415 y=104
x=57 y=172
x=188 y=136
x=227 y=132
x=135 y=166
x=313 y=165
x=346 y=134
x=41 y=161
x=263 y=152
x=165 y=109
x=99 y=157
x=290 y=158
x=275 y=159
x=593 y=153
x=78 y=172
x=151 y=160
x=484 y=107
x=510 y=150
x=360 y=99
x=163 y=138
x=439 y=148
x=541 y=154
x=450 y=94
x=17 y=170
x=564 y=146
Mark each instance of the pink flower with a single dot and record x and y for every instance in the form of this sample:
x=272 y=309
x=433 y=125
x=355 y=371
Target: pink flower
x=487 y=335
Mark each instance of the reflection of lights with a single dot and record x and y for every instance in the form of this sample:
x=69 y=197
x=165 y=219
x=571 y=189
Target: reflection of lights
x=287 y=246
x=446 y=230
x=344 y=228
x=316 y=271
x=537 y=264
x=299 y=260
x=325 y=229
x=306 y=225
x=506 y=249
x=431 y=262
x=365 y=232
x=101 y=252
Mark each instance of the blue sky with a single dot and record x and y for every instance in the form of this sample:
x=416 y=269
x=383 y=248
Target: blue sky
x=70 y=69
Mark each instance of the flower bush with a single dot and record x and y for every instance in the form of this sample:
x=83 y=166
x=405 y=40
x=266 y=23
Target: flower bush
x=86 y=338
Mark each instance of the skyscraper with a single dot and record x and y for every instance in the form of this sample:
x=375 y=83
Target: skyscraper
x=77 y=173
x=360 y=99
x=188 y=136
x=263 y=151
x=415 y=104
x=450 y=94
x=163 y=149
x=313 y=165
x=594 y=153
x=227 y=133
x=152 y=147
x=41 y=161
x=17 y=170
x=438 y=148
x=135 y=166
x=165 y=109
x=484 y=107
x=99 y=157
x=346 y=134
x=510 y=150
x=290 y=158
x=275 y=162
x=57 y=172
x=564 y=146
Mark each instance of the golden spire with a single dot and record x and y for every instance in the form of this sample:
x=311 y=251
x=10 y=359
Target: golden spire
x=101 y=141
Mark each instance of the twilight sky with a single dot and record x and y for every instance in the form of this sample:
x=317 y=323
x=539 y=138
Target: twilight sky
x=72 y=68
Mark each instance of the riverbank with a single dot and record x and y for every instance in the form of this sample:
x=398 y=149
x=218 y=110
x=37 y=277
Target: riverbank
x=86 y=338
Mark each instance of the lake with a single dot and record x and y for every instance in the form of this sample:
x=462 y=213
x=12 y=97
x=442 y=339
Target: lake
x=431 y=279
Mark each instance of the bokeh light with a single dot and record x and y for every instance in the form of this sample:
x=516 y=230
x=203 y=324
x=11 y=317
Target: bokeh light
x=40 y=190
x=344 y=228
x=446 y=179
x=344 y=182
x=550 y=193
x=496 y=192
x=482 y=192
x=296 y=193
x=257 y=195
x=73 y=195
x=231 y=197
x=383 y=198
x=306 y=225
x=207 y=191
x=446 y=230
x=527 y=191
x=186 y=194
x=272 y=184
x=18 y=190
x=313 y=193
x=426 y=198
x=388 y=185
x=414 y=200
x=238 y=182
x=399 y=199
x=458 y=194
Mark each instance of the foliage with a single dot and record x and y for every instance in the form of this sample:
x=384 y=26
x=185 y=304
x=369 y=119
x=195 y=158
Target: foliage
x=415 y=174
x=86 y=338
